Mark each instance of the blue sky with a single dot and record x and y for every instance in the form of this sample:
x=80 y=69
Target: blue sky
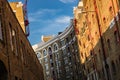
x=48 y=18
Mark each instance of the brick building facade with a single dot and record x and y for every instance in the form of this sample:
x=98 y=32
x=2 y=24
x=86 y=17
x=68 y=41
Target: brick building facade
x=97 y=24
x=17 y=58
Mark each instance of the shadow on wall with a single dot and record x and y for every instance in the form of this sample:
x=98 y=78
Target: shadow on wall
x=3 y=71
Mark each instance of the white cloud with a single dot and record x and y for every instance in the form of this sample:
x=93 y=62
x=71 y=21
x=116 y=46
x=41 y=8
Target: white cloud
x=54 y=25
x=51 y=25
x=36 y=16
x=67 y=1
x=63 y=19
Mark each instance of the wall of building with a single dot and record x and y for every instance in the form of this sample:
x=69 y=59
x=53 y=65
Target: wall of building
x=17 y=58
x=99 y=54
x=62 y=56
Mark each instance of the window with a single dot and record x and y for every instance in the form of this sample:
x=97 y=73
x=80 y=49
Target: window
x=91 y=52
x=55 y=47
x=68 y=49
x=57 y=56
x=53 y=72
x=45 y=59
x=108 y=42
x=88 y=37
x=66 y=68
x=16 y=78
x=67 y=40
x=52 y=64
x=64 y=52
x=44 y=52
x=86 y=57
x=119 y=3
x=104 y=19
x=47 y=73
x=81 y=54
x=59 y=63
x=93 y=18
x=119 y=58
x=84 y=45
x=14 y=41
x=10 y=33
x=46 y=67
x=38 y=55
x=79 y=42
x=1 y=37
x=49 y=51
x=116 y=36
x=50 y=56
x=62 y=42
x=113 y=67
x=66 y=60
x=111 y=12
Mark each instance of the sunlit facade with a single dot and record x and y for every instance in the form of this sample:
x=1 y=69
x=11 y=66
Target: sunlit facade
x=97 y=29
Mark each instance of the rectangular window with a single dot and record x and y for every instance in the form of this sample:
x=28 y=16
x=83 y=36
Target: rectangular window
x=14 y=41
x=1 y=37
x=46 y=67
x=119 y=3
x=10 y=33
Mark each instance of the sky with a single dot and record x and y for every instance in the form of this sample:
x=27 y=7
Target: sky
x=48 y=18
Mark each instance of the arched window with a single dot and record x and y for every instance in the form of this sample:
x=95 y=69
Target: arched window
x=44 y=52
x=55 y=47
x=49 y=50
x=38 y=54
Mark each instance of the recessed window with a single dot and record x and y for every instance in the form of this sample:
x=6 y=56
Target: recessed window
x=49 y=50
x=16 y=78
x=45 y=59
x=119 y=3
x=44 y=52
x=86 y=57
x=110 y=8
x=113 y=67
x=111 y=12
x=14 y=42
x=38 y=54
x=119 y=58
x=50 y=56
x=91 y=52
x=10 y=33
x=84 y=45
x=88 y=37
x=55 y=47
x=104 y=20
x=116 y=36
x=46 y=67
x=68 y=49
x=1 y=37
x=81 y=54
x=108 y=42
x=79 y=42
